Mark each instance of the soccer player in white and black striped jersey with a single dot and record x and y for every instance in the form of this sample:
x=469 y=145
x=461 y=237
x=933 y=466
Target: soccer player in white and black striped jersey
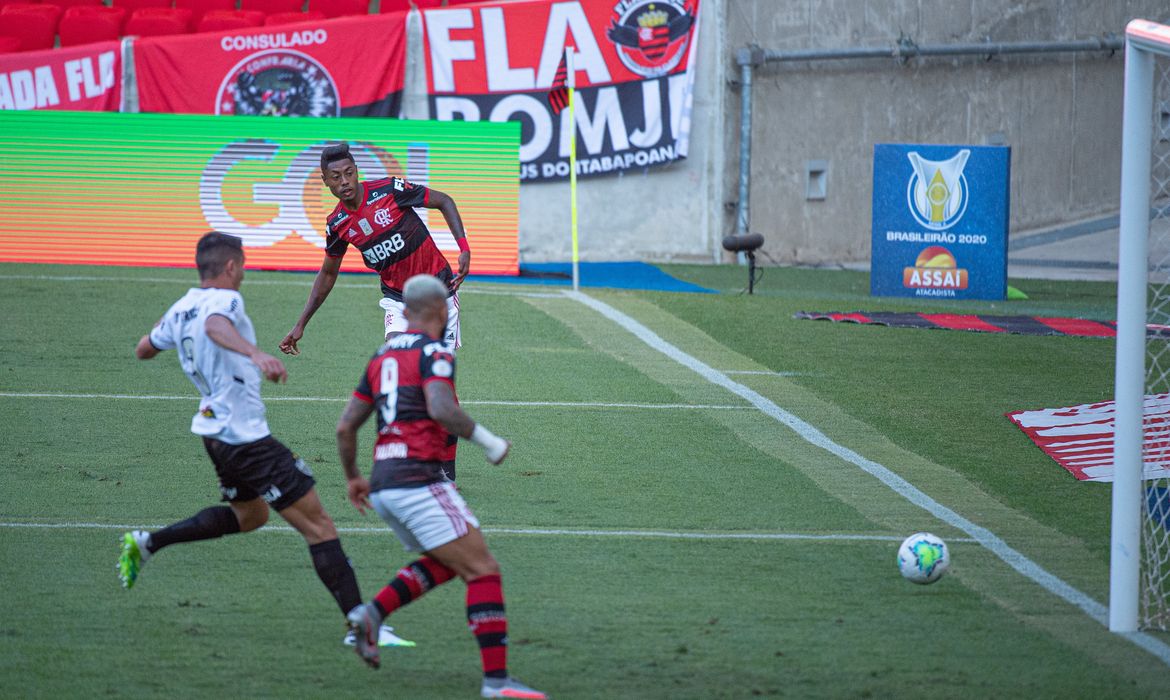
x=217 y=350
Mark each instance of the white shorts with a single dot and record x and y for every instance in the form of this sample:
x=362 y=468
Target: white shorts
x=425 y=517
x=396 y=321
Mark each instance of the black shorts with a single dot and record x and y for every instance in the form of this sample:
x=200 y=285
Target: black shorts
x=262 y=469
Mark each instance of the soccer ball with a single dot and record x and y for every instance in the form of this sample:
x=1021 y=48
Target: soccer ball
x=923 y=558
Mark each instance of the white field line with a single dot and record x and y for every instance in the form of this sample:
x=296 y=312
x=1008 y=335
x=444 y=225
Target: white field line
x=556 y=532
x=340 y=399
x=899 y=485
x=190 y=282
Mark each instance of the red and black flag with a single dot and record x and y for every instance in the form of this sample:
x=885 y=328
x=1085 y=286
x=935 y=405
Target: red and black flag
x=558 y=94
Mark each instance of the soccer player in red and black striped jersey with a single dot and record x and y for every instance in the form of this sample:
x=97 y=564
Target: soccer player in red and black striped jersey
x=377 y=217
x=410 y=385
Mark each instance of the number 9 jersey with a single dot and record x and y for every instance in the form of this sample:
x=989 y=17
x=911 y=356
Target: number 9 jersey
x=412 y=449
x=231 y=410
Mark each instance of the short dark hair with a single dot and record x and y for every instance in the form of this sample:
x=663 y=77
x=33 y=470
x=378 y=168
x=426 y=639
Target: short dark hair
x=213 y=252
x=335 y=153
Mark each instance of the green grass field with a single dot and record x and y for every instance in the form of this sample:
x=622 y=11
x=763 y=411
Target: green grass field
x=661 y=537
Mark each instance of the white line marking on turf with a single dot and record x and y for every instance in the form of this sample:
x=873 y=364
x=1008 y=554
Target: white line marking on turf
x=254 y=282
x=556 y=532
x=904 y=488
x=340 y=399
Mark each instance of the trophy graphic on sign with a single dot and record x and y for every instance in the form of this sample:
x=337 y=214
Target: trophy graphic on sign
x=937 y=192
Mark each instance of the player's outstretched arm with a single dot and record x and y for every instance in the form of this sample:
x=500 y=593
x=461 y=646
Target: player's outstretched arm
x=358 y=488
x=322 y=285
x=145 y=349
x=446 y=205
x=224 y=334
x=442 y=407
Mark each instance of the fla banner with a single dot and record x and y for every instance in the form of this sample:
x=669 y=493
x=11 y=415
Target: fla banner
x=145 y=190
x=352 y=67
x=634 y=75
x=81 y=78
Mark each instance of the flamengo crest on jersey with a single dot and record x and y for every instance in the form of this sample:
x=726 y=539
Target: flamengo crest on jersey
x=411 y=448
x=392 y=238
x=230 y=409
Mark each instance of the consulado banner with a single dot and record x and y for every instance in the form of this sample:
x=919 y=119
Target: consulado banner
x=634 y=69
x=145 y=190
x=351 y=66
x=940 y=221
x=76 y=78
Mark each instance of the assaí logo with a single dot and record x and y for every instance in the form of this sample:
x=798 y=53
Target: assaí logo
x=935 y=273
x=291 y=200
x=937 y=191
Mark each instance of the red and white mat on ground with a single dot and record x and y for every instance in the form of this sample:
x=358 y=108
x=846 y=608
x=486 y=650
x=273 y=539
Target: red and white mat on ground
x=1080 y=438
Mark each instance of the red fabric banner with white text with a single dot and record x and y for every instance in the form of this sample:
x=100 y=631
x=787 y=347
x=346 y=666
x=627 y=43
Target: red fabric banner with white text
x=81 y=78
x=352 y=66
x=634 y=72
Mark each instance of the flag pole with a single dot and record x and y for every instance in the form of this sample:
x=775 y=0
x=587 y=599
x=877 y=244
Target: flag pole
x=572 y=84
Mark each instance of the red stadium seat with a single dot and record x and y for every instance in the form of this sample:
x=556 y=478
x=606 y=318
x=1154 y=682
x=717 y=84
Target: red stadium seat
x=158 y=21
x=34 y=25
x=9 y=44
x=200 y=7
x=452 y=3
x=65 y=4
x=394 y=6
x=87 y=24
x=340 y=8
x=427 y=4
x=219 y=20
x=132 y=5
x=292 y=17
x=269 y=7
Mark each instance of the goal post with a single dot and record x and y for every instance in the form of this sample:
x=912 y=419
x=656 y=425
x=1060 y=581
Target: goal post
x=1139 y=579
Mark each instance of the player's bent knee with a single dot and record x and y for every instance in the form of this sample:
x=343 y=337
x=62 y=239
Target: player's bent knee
x=252 y=515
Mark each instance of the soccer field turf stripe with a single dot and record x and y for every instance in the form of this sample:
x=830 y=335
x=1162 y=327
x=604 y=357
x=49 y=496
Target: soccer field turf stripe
x=535 y=531
x=469 y=287
x=899 y=485
x=340 y=399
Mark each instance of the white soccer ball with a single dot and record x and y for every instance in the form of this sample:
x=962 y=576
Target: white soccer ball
x=923 y=558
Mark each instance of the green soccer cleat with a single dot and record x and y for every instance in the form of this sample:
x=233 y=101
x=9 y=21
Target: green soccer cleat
x=134 y=555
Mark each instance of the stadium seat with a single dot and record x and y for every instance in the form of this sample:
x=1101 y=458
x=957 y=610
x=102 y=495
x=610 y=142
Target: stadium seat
x=132 y=5
x=291 y=17
x=86 y=24
x=200 y=7
x=269 y=7
x=427 y=4
x=394 y=6
x=219 y=20
x=340 y=8
x=452 y=3
x=9 y=44
x=158 y=21
x=34 y=25
x=66 y=4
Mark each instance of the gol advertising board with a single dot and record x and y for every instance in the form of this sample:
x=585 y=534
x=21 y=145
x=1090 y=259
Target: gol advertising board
x=140 y=189
x=940 y=221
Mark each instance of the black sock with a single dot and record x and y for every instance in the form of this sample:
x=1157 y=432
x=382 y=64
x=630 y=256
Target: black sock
x=207 y=524
x=335 y=571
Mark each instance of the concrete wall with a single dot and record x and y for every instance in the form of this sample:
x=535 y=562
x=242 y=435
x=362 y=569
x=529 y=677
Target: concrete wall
x=1060 y=113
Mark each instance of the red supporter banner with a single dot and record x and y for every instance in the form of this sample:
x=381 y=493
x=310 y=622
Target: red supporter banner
x=352 y=67
x=82 y=78
x=634 y=74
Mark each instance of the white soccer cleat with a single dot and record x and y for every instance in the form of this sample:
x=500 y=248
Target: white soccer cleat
x=508 y=688
x=386 y=638
x=361 y=621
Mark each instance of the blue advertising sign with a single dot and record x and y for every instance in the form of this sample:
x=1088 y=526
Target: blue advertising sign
x=940 y=221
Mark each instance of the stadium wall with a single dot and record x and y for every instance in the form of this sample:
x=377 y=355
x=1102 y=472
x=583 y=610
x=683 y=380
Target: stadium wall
x=1060 y=113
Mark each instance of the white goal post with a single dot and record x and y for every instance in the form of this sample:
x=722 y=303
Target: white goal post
x=1139 y=581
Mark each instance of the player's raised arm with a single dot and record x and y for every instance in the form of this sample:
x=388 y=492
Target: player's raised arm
x=322 y=285
x=224 y=334
x=446 y=205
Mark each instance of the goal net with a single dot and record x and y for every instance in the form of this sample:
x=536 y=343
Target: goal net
x=1140 y=568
